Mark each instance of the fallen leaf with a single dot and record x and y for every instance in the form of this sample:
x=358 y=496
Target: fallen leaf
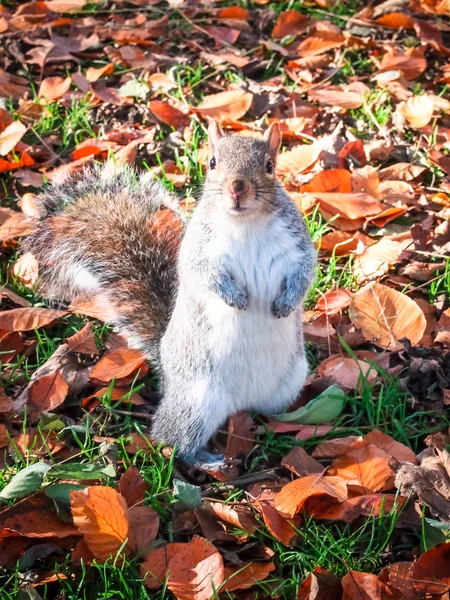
x=299 y=462
x=143 y=528
x=364 y=469
x=298 y=160
x=11 y=136
x=232 y=104
x=26 y=319
x=334 y=301
x=244 y=577
x=25 y=270
x=347 y=371
x=332 y=180
x=83 y=341
x=386 y=316
x=396 y=20
x=377 y=259
x=291 y=498
x=365 y=586
x=320 y=42
x=290 y=22
x=418 y=111
x=53 y=88
x=117 y=364
x=241 y=435
x=100 y=514
x=132 y=487
x=168 y=114
x=431 y=572
x=92 y=74
x=234 y=12
x=47 y=393
x=336 y=96
x=196 y=570
x=156 y=565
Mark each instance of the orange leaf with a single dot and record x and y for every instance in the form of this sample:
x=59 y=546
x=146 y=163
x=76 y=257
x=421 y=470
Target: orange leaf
x=83 y=341
x=47 y=393
x=298 y=160
x=365 y=468
x=386 y=316
x=349 y=206
x=53 y=88
x=26 y=319
x=347 y=371
x=168 y=114
x=291 y=498
x=93 y=74
x=232 y=104
x=234 y=12
x=396 y=20
x=132 y=486
x=290 y=22
x=100 y=514
x=156 y=564
x=354 y=151
x=196 y=571
x=242 y=578
x=320 y=42
x=334 y=301
x=116 y=364
x=364 y=586
x=279 y=526
x=144 y=525
x=85 y=151
x=25 y=160
x=337 y=97
x=333 y=180
x=241 y=434
x=352 y=508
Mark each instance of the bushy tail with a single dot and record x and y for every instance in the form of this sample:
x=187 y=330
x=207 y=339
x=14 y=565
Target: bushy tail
x=113 y=235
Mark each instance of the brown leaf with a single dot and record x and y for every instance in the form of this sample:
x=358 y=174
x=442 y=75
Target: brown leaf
x=349 y=206
x=100 y=514
x=34 y=517
x=293 y=495
x=332 y=180
x=239 y=517
x=116 y=364
x=377 y=259
x=336 y=96
x=26 y=319
x=386 y=316
x=347 y=372
x=47 y=393
x=245 y=577
x=371 y=505
x=298 y=159
x=156 y=564
x=13 y=224
x=320 y=585
x=334 y=301
x=11 y=136
x=232 y=104
x=25 y=270
x=132 y=486
x=279 y=527
x=196 y=571
x=290 y=22
x=143 y=528
x=320 y=42
x=364 y=586
x=83 y=341
x=53 y=88
x=241 y=435
x=92 y=74
x=431 y=573
x=299 y=462
x=364 y=469
x=168 y=114
x=410 y=64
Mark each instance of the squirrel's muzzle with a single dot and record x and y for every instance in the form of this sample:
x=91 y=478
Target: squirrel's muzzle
x=238 y=188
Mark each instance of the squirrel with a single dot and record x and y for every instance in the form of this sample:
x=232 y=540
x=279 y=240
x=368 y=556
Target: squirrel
x=216 y=301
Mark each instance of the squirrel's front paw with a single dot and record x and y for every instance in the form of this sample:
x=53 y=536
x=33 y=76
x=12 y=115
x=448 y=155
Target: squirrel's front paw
x=239 y=299
x=281 y=308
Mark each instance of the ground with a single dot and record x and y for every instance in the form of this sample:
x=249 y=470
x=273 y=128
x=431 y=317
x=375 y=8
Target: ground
x=348 y=495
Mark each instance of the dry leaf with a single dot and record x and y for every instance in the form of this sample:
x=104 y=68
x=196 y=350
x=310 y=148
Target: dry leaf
x=26 y=319
x=116 y=364
x=132 y=487
x=377 y=259
x=334 y=301
x=347 y=372
x=293 y=495
x=143 y=528
x=196 y=570
x=418 y=111
x=364 y=586
x=83 y=341
x=53 y=88
x=230 y=105
x=364 y=469
x=156 y=564
x=320 y=42
x=242 y=578
x=25 y=269
x=168 y=114
x=47 y=393
x=386 y=316
x=290 y=22
x=100 y=514
x=11 y=136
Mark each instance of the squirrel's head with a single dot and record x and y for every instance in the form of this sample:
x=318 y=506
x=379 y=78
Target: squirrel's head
x=241 y=173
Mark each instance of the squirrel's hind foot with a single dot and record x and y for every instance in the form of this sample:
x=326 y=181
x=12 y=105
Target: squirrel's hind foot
x=205 y=461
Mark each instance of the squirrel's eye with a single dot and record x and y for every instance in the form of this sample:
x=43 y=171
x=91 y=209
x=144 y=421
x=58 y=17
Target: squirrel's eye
x=212 y=163
x=269 y=166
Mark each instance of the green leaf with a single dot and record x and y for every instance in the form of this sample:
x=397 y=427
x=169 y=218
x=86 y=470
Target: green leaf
x=26 y=481
x=325 y=408
x=80 y=471
x=434 y=533
x=187 y=493
x=134 y=89
x=50 y=422
x=61 y=491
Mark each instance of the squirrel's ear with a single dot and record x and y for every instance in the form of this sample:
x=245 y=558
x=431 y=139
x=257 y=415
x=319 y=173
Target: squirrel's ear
x=273 y=137
x=214 y=135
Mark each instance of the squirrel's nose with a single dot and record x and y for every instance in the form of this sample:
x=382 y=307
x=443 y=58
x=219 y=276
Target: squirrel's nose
x=238 y=188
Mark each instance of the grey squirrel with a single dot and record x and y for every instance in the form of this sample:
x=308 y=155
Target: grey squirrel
x=216 y=303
